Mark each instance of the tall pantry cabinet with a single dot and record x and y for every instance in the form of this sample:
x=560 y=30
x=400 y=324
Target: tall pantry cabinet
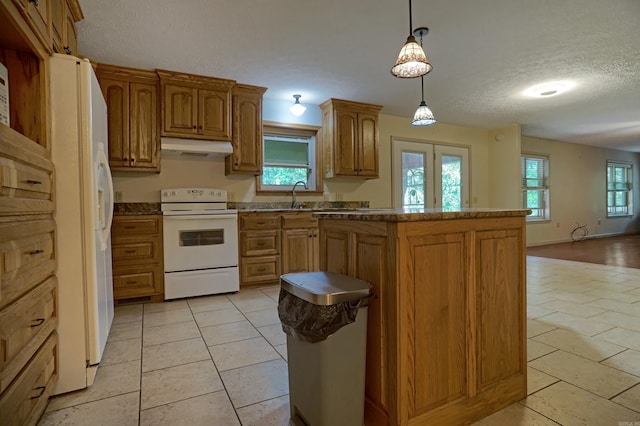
x=29 y=33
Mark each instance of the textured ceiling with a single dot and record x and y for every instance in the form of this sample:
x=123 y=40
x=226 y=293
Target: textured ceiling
x=485 y=53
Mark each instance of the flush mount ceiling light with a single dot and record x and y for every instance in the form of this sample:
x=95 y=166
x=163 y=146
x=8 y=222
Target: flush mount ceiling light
x=411 y=62
x=549 y=89
x=297 y=108
x=423 y=115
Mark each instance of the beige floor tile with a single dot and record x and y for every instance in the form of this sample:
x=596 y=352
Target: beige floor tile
x=220 y=316
x=255 y=301
x=256 y=383
x=121 y=351
x=154 y=319
x=272 y=412
x=572 y=308
x=619 y=320
x=627 y=361
x=174 y=384
x=282 y=350
x=536 y=327
x=242 y=353
x=579 y=344
x=588 y=327
x=536 y=349
x=165 y=306
x=264 y=317
x=209 y=303
x=535 y=311
x=225 y=333
x=210 y=409
x=571 y=406
x=537 y=380
x=121 y=410
x=170 y=333
x=614 y=295
x=622 y=337
x=272 y=292
x=573 y=296
x=614 y=305
x=515 y=415
x=174 y=353
x=630 y=399
x=538 y=299
x=125 y=331
x=589 y=375
x=127 y=313
x=274 y=334
x=111 y=380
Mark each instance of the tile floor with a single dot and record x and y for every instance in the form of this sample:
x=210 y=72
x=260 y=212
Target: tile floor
x=221 y=360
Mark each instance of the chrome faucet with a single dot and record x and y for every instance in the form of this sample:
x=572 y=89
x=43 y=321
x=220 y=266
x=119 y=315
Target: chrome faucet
x=293 y=192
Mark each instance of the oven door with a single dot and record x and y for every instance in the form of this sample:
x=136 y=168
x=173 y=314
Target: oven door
x=193 y=242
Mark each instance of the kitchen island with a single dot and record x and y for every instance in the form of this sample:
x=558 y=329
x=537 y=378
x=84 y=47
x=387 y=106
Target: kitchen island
x=446 y=337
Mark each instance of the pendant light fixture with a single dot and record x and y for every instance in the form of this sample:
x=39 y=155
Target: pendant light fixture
x=297 y=108
x=423 y=115
x=411 y=62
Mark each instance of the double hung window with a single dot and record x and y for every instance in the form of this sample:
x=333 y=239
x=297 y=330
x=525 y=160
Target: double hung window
x=619 y=185
x=534 y=174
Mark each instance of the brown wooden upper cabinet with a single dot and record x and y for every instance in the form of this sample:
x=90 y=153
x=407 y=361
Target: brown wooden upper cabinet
x=195 y=107
x=64 y=15
x=133 y=117
x=350 y=132
x=246 y=131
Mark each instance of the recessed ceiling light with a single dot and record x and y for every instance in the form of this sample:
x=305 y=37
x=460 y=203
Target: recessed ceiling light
x=549 y=89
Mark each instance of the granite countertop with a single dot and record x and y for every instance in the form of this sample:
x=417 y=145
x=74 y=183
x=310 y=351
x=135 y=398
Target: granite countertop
x=284 y=206
x=415 y=215
x=132 y=209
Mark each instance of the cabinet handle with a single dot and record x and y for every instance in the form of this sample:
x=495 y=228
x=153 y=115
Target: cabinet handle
x=35 y=2
x=130 y=282
x=37 y=322
x=261 y=223
x=41 y=390
x=200 y=127
x=195 y=127
x=260 y=244
x=129 y=251
x=262 y=269
x=133 y=160
x=129 y=227
x=67 y=50
x=34 y=252
x=33 y=182
x=125 y=159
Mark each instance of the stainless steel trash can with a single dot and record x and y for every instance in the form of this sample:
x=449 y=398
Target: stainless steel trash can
x=325 y=317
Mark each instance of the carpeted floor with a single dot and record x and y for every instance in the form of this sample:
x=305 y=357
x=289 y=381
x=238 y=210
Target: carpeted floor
x=617 y=251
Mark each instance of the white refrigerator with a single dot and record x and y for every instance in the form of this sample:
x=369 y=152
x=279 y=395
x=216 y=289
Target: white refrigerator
x=84 y=212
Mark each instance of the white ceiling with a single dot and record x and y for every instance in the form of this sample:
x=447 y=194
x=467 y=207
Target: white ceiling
x=485 y=53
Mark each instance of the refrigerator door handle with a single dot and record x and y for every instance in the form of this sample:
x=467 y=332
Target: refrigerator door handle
x=105 y=204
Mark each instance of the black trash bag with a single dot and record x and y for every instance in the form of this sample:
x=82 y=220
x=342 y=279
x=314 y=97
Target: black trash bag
x=313 y=323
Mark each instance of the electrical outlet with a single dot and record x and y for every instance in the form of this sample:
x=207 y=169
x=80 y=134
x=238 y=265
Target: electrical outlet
x=326 y=196
x=339 y=196
x=231 y=196
x=557 y=224
x=117 y=195
x=598 y=221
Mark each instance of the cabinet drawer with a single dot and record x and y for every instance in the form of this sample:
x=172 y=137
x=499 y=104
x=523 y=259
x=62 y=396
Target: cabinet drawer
x=259 y=269
x=26 y=257
x=259 y=243
x=23 y=327
x=259 y=221
x=127 y=226
x=138 y=281
x=298 y=220
x=132 y=253
x=26 y=398
x=30 y=181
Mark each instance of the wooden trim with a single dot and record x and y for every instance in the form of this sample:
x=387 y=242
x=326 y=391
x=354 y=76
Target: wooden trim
x=194 y=80
x=75 y=9
x=114 y=72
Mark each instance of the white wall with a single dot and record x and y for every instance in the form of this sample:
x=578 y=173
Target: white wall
x=577 y=189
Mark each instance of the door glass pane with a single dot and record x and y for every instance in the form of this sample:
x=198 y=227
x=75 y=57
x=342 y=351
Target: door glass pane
x=413 y=180
x=451 y=182
x=205 y=237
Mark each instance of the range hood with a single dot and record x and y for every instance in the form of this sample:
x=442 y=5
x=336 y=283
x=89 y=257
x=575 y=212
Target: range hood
x=191 y=148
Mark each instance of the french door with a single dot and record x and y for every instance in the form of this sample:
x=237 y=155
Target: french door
x=425 y=175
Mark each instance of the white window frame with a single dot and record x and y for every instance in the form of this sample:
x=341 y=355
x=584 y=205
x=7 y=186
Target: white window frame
x=544 y=211
x=623 y=210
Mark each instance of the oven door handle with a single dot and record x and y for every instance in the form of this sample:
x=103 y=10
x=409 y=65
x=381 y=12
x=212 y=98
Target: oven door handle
x=201 y=216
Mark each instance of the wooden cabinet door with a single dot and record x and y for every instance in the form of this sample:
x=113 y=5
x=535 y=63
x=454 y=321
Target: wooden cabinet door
x=297 y=250
x=180 y=110
x=367 y=164
x=214 y=114
x=345 y=140
x=58 y=21
x=116 y=95
x=40 y=18
x=70 y=34
x=143 y=126
x=247 y=134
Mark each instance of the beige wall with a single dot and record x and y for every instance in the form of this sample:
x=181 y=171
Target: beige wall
x=577 y=189
x=194 y=172
x=504 y=167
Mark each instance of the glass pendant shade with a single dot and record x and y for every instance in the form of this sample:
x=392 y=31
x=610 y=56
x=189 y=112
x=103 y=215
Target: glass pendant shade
x=297 y=108
x=411 y=62
x=423 y=116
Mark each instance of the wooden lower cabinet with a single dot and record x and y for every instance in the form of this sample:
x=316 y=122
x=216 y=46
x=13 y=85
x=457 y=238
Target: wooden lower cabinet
x=446 y=326
x=137 y=255
x=272 y=244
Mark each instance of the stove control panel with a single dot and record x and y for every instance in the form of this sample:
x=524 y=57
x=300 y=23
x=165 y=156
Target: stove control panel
x=193 y=195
